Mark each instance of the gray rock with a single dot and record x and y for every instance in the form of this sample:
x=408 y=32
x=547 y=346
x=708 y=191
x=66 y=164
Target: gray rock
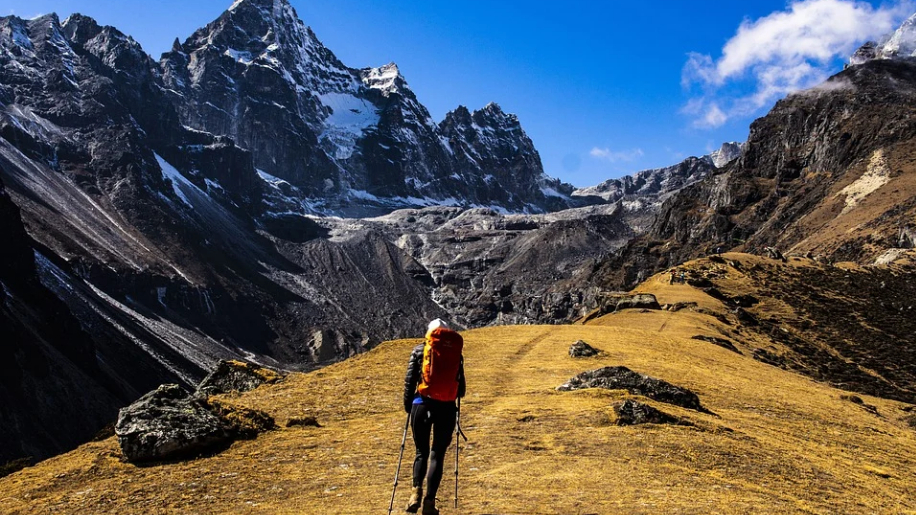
x=677 y=306
x=622 y=378
x=614 y=302
x=631 y=413
x=168 y=424
x=580 y=349
x=634 y=301
x=236 y=376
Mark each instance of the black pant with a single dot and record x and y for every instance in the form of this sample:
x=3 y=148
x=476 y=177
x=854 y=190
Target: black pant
x=436 y=418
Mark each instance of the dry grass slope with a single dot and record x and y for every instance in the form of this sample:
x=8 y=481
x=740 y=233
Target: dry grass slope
x=779 y=442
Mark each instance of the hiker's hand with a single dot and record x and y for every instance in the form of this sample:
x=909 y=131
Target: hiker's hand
x=407 y=406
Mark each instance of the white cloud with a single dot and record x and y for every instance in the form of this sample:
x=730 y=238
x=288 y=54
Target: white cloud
x=609 y=155
x=780 y=53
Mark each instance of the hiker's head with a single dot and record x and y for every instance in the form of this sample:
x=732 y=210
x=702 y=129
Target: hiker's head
x=436 y=324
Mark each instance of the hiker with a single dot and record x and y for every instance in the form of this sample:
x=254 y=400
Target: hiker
x=673 y=277
x=430 y=392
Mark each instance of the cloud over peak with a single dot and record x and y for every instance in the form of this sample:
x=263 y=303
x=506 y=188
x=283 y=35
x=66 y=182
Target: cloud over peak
x=780 y=53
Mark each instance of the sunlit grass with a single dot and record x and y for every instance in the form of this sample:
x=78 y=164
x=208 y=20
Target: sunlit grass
x=778 y=442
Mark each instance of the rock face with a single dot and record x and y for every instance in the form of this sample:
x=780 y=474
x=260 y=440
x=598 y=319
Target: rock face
x=350 y=141
x=727 y=153
x=54 y=394
x=622 y=378
x=820 y=160
x=168 y=424
x=653 y=185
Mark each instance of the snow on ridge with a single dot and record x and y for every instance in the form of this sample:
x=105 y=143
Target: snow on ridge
x=383 y=78
x=180 y=183
x=239 y=56
x=551 y=192
x=349 y=116
x=17 y=35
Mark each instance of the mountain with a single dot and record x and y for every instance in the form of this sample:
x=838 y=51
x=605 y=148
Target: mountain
x=769 y=437
x=727 y=153
x=827 y=173
x=148 y=237
x=898 y=45
x=660 y=183
x=157 y=209
x=352 y=141
x=656 y=184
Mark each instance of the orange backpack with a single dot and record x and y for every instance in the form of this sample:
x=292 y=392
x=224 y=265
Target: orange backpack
x=441 y=365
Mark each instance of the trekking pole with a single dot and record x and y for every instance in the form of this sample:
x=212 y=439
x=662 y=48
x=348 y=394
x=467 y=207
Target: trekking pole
x=458 y=432
x=397 y=474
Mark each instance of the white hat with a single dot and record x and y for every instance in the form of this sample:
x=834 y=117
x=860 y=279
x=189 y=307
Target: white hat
x=436 y=324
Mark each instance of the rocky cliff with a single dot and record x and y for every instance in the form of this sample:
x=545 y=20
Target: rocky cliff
x=827 y=172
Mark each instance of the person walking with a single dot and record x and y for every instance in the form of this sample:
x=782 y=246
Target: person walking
x=434 y=381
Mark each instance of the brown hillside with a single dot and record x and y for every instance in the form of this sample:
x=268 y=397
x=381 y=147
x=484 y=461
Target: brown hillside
x=830 y=171
x=778 y=442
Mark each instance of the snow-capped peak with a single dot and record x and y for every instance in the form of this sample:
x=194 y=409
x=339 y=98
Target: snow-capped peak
x=274 y=6
x=387 y=78
x=902 y=43
x=727 y=153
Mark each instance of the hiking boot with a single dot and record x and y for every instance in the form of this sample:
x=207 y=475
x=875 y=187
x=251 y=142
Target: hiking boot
x=416 y=497
x=429 y=507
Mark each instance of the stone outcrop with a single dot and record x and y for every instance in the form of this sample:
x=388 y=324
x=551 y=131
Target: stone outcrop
x=631 y=413
x=170 y=424
x=236 y=376
x=818 y=155
x=622 y=378
x=580 y=349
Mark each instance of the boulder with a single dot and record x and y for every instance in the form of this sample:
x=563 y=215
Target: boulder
x=613 y=302
x=580 y=349
x=637 y=301
x=168 y=424
x=622 y=378
x=631 y=412
x=236 y=376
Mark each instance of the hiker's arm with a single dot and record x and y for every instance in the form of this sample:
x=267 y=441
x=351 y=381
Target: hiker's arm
x=462 y=386
x=413 y=377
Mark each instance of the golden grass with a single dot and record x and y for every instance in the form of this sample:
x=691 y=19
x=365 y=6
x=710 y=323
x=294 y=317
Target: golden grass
x=779 y=443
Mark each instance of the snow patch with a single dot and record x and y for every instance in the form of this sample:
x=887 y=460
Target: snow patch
x=348 y=117
x=239 y=56
x=179 y=182
x=383 y=78
x=270 y=179
x=550 y=192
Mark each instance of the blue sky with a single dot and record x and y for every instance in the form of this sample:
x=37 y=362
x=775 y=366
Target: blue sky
x=603 y=88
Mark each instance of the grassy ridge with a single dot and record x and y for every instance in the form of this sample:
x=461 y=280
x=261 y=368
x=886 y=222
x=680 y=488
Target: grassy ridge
x=778 y=442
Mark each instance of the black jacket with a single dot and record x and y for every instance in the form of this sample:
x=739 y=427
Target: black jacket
x=412 y=380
